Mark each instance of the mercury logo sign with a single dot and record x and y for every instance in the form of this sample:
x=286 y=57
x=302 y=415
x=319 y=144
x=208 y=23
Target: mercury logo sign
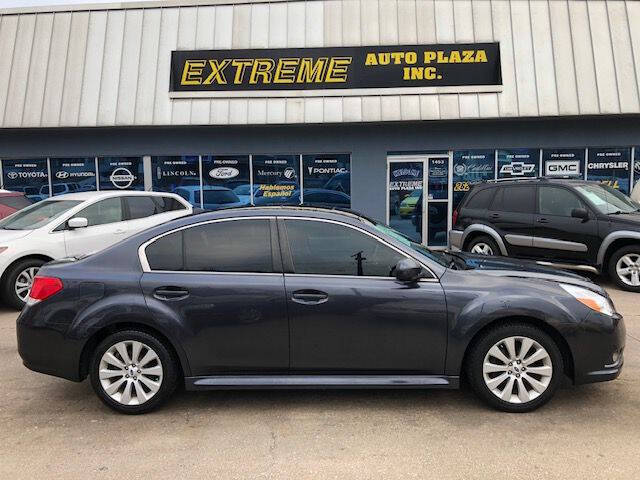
x=289 y=173
x=562 y=167
x=224 y=173
x=122 y=178
x=517 y=168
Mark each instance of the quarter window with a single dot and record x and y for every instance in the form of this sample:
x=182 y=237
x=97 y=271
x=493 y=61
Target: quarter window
x=481 y=200
x=228 y=246
x=325 y=248
x=557 y=201
x=141 y=207
x=516 y=199
x=103 y=212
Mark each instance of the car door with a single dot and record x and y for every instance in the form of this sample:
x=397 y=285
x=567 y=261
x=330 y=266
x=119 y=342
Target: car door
x=512 y=214
x=222 y=282
x=348 y=313
x=558 y=235
x=105 y=226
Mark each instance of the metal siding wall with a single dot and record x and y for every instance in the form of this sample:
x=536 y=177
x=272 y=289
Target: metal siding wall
x=106 y=68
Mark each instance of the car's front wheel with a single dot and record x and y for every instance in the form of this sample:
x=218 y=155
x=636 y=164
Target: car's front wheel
x=18 y=280
x=624 y=268
x=483 y=245
x=133 y=372
x=515 y=367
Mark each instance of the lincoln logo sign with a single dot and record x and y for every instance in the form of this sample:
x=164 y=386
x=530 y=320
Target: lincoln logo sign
x=336 y=70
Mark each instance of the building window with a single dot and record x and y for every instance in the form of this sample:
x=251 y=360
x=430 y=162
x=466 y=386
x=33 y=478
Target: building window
x=610 y=166
x=276 y=179
x=518 y=163
x=70 y=175
x=177 y=174
x=121 y=173
x=327 y=180
x=225 y=181
x=30 y=176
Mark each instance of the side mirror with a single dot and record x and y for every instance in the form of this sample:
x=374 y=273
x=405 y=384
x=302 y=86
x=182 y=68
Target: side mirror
x=77 y=222
x=580 y=213
x=408 y=271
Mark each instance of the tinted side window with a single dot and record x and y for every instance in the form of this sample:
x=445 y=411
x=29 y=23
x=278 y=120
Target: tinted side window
x=167 y=204
x=481 y=199
x=166 y=253
x=103 y=212
x=231 y=246
x=329 y=249
x=516 y=199
x=557 y=201
x=140 y=207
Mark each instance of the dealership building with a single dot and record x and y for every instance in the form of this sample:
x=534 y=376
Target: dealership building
x=394 y=108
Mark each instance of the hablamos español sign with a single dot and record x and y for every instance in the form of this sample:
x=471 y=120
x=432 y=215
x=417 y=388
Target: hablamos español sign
x=337 y=71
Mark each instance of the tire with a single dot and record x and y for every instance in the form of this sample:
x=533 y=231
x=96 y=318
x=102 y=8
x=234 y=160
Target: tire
x=536 y=390
x=162 y=381
x=20 y=271
x=485 y=243
x=626 y=258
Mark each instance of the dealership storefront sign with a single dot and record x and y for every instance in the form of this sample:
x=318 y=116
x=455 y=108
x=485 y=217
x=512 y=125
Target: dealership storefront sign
x=518 y=163
x=563 y=162
x=337 y=71
x=471 y=167
x=611 y=166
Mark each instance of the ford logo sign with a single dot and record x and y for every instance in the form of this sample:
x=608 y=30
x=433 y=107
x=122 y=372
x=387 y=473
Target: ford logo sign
x=224 y=173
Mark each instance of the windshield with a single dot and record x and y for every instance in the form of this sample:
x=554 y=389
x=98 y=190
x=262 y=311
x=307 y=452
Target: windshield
x=37 y=215
x=435 y=256
x=607 y=200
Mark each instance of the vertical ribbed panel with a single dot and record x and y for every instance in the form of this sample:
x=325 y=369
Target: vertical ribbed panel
x=88 y=68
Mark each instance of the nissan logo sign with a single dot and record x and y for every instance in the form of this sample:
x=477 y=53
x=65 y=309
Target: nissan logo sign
x=122 y=178
x=224 y=173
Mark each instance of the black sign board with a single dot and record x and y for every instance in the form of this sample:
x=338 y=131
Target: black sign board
x=336 y=68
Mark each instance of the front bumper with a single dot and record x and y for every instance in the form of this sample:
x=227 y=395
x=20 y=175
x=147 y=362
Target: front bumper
x=598 y=349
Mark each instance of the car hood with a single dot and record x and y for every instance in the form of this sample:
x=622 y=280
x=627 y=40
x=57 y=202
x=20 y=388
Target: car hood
x=630 y=219
x=509 y=267
x=11 y=235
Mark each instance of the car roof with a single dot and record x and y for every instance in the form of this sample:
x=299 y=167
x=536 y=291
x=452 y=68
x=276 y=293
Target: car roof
x=84 y=196
x=9 y=193
x=539 y=180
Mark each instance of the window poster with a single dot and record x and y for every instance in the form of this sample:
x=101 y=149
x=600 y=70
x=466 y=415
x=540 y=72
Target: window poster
x=30 y=176
x=636 y=165
x=469 y=168
x=121 y=173
x=610 y=166
x=276 y=179
x=518 y=163
x=327 y=179
x=225 y=181
x=438 y=185
x=177 y=174
x=563 y=162
x=404 y=185
x=69 y=175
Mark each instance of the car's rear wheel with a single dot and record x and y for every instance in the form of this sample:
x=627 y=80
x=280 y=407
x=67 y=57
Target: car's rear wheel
x=133 y=372
x=624 y=268
x=483 y=245
x=18 y=281
x=515 y=367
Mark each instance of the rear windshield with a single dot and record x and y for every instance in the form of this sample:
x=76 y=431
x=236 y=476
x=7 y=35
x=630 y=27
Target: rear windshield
x=219 y=197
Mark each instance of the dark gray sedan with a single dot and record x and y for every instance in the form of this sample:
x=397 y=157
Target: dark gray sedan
x=286 y=297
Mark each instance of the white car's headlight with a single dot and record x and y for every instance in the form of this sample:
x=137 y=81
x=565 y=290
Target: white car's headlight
x=591 y=299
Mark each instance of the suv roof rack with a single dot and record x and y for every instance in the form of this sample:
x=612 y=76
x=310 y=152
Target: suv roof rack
x=498 y=180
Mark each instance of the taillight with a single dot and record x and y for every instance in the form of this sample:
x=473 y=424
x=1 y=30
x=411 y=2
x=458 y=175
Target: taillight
x=454 y=218
x=44 y=287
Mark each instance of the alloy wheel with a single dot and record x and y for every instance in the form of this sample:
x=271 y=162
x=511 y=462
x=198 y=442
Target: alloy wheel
x=482 y=248
x=517 y=369
x=130 y=372
x=24 y=281
x=628 y=269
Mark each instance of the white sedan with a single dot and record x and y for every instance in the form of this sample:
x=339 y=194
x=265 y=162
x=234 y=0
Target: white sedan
x=74 y=224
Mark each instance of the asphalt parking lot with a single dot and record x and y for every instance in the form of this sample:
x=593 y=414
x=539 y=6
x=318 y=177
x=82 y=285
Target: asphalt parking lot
x=52 y=428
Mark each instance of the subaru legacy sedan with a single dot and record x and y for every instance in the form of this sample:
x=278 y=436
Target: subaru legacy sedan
x=292 y=297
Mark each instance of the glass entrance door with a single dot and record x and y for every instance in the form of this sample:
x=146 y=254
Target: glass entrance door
x=419 y=197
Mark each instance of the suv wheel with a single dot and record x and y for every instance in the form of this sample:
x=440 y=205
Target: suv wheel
x=515 y=367
x=483 y=245
x=18 y=281
x=624 y=268
x=133 y=372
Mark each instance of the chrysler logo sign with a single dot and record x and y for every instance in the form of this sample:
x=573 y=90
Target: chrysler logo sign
x=122 y=178
x=224 y=173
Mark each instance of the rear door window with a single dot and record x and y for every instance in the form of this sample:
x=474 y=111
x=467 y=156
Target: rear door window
x=481 y=200
x=140 y=207
x=515 y=199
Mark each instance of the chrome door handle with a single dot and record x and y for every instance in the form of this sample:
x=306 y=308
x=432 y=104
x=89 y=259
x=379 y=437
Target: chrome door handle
x=309 y=297
x=120 y=232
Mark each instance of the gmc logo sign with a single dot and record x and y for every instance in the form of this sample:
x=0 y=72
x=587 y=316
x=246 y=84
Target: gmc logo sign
x=562 y=167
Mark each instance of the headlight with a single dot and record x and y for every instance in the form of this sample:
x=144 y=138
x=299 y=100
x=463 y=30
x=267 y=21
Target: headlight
x=591 y=299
